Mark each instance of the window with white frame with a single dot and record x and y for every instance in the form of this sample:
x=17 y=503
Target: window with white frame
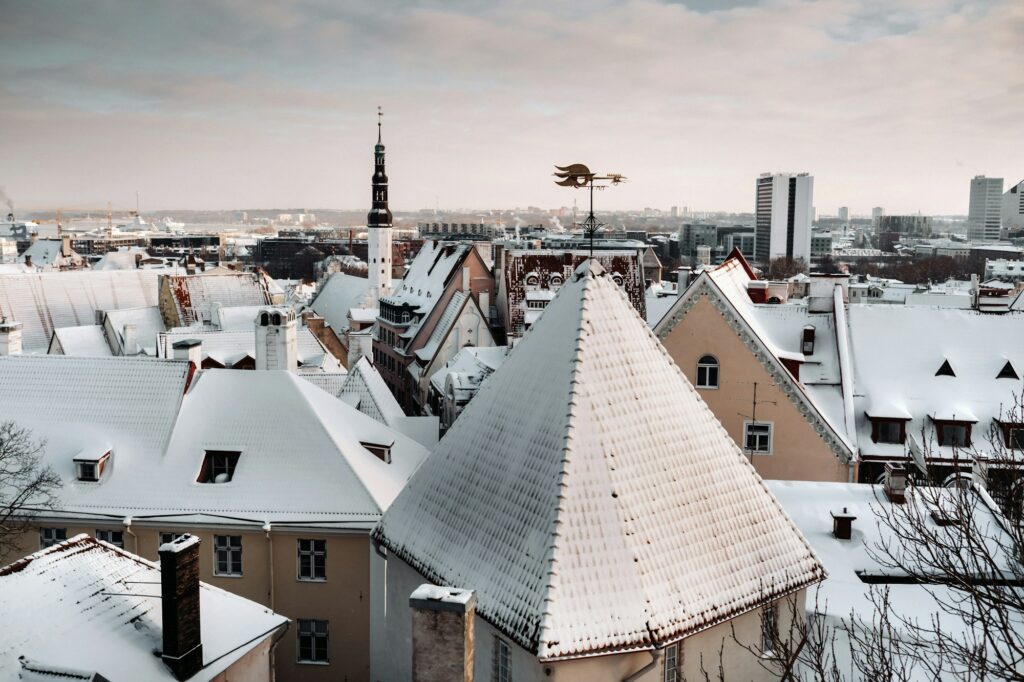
x=48 y=537
x=312 y=559
x=501 y=671
x=707 y=372
x=227 y=555
x=769 y=629
x=673 y=663
x=313 y=640
x=757 y=437
x=114 y=537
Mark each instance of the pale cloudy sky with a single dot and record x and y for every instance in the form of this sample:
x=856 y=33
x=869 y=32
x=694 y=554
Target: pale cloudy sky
x=260 y=103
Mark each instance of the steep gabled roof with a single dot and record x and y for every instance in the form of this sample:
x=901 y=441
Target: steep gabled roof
x=365 y=388
x=591 y=497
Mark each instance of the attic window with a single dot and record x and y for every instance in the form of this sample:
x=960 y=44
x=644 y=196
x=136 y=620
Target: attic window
x=379 y=450
x=218 y=466
x=946 y=370
x=1007 y=372
x=89 y=466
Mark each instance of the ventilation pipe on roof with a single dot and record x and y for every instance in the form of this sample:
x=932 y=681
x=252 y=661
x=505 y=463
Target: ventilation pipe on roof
x=842 y=524
x=179 y=591
x=442 y=633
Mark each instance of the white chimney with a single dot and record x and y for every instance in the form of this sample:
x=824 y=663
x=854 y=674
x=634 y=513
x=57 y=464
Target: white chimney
x=189 y=349
x=10 y=337
x=131 y=340
x=277 y=343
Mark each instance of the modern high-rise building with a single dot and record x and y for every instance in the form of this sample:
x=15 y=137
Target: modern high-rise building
x=1013 y=207
x=378 y=227
x=783 y=216
x=844 y=213
x=983 y=216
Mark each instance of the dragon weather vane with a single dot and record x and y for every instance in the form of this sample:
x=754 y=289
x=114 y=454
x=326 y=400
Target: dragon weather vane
x=577 y=175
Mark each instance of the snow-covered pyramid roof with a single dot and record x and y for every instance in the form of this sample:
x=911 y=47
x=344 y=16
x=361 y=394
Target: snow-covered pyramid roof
x=591 y=497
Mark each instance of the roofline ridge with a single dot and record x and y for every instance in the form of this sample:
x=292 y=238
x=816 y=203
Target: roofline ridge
x=543 y=625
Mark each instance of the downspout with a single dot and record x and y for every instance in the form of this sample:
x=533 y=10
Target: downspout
x=270 y=562
x=845 y=374
x=655 y=655
x=128 y=529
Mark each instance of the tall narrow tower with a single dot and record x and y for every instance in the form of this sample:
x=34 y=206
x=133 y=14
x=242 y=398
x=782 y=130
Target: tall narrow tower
x=378 y=226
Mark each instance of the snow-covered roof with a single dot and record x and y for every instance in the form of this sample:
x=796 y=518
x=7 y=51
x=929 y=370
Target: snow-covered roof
x=468 y=369
x=238 y=317
x=424 y=282
x=444 y=325
x=337 y=296
x=591 y=498
x=228 y=347
x=119 y=260
x=365 y=390
x=301 y=454
x=87 y=340
x=45 y=301
x=84 y=607
x=659 y=296
x=148 y=323
x=196 y=296
x=43 y=252
x=897 y=352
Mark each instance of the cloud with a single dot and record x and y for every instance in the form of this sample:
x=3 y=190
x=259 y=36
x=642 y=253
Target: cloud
x=264 y=103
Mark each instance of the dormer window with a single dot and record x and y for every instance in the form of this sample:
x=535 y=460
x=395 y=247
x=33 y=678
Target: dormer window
x=946 y=370
x=218 y=466
x=888 y=429
x=1013 y=434
x=1007 y=372
x=381 y=451
x=89 y=465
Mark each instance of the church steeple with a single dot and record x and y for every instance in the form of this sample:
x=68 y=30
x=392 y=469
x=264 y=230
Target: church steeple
x=380 y=215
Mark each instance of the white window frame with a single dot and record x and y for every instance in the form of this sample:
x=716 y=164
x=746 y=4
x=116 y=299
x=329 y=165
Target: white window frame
x=315 y=556
x=771 y=437
x=52 y=531
x=717 y=366
x=501 y=661
x=106 y=535
x=308 y=627
x=224 y=543
x=672 y=671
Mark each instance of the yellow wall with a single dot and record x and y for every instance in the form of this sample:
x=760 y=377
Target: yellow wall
x=798 y=453
x=343 y=599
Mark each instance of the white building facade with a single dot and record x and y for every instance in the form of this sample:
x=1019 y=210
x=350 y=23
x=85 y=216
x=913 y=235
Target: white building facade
x=784 y=212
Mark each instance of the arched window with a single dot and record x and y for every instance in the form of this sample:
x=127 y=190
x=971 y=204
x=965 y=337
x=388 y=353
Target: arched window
x=707 y=372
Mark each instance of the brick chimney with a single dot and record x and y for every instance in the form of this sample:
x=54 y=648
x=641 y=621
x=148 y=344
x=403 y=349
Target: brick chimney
x=10 y=337
x=442 y=634
x=179 y=588
x=842 y=524
x=895 y=482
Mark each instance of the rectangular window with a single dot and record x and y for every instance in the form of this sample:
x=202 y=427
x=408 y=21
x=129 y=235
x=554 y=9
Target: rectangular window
x=502 y=668
x=1015 y=437
x=707 y=375
x=673 y=663
x=769 y=630
x=953 y=435
x=227 y=554
x=114 y=537
x=312 y=559
x=218 y=466
x=313 y=637
x=86 y=471
x=890 y=432
x=757 y=437
x=48 y=537
x=169 y=537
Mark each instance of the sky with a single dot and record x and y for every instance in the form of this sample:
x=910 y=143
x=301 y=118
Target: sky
x=271 y=103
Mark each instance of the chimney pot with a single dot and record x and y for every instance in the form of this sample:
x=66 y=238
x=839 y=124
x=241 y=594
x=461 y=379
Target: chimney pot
x=842 y=524
x=442 y=634
x=179 y=589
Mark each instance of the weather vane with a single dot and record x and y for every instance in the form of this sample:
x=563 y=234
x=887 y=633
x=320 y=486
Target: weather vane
x=577 y=175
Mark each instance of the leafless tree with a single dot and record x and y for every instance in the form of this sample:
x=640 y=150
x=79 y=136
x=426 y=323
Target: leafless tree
x=26 y=486
x=784 y=268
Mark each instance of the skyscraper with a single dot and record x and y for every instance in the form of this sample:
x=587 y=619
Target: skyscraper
x=378 y=226
x=1013 y=207
x=844 y=213
x=783 y=216
x=983 y=216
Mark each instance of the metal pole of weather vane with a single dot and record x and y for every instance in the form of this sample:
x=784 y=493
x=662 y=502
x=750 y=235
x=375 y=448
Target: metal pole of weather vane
x=577 y=175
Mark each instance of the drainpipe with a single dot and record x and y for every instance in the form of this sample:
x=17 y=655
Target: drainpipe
x=270 y=561
x=128 y=529
x=655 y=655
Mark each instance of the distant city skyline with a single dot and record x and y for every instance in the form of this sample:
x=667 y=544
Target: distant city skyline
x=262 y=105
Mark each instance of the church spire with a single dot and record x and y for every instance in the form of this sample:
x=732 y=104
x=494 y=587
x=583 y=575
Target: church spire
x=380 y=215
